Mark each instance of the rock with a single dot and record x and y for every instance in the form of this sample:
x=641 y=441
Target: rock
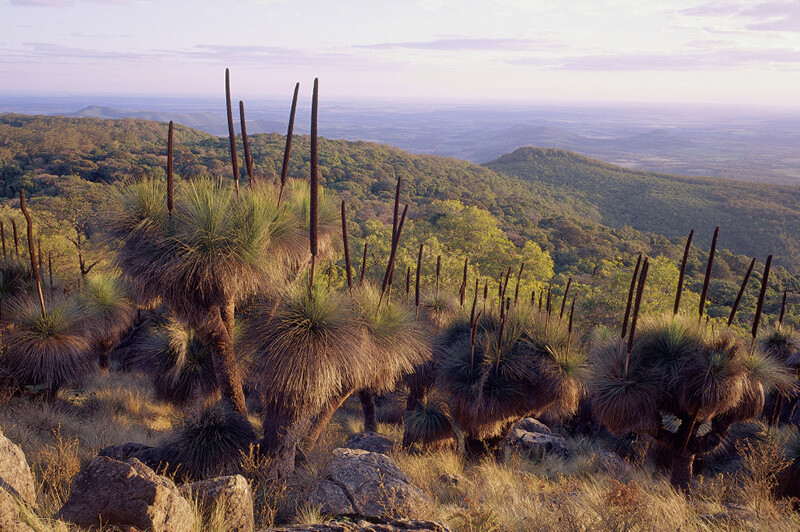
x=394 y=525
x=373 y=442
x=232 y=491
x=369 y=485
x=156 y=458
x=9 y=514
x=740 y=513
x=530 y=424
x=612 y=463
x=126 y=494
x=15 y=475
x=450 y=479
x=537 y=444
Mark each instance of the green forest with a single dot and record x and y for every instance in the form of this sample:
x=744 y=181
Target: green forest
x=564 y=215
x=545 y=342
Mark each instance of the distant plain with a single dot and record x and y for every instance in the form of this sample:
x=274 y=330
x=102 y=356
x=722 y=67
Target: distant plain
x=757 y=144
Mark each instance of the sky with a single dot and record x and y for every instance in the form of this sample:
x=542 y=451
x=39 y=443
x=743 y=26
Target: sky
x=725 y=51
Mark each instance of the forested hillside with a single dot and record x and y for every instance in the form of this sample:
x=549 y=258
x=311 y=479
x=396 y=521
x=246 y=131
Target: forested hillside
x=565 y=215
x=756 y=219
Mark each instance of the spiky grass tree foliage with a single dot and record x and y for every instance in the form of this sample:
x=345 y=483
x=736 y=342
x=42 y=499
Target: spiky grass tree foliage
x=215 y=248
x=310 y=350
x=680 y=368
x=14 y=284
x=109 y=311
x=211 y=443
x=437 y=312
x=327 y=218
x=782 y=343
x=429 y=423
x=50 y=350
x=398 y=343
x=179 y=363
x=504 y=368
x=440 y=310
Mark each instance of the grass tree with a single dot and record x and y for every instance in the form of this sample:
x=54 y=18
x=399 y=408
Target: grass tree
x=676 y=366
x=45 y=350
x=682 y=369
x=48 y=343
x=179 y=363
x=782 y=343
x=211 y=250
x=110 y=313
x=310 y=351
x=398 y=343
x=211 y=443
x=498 y=368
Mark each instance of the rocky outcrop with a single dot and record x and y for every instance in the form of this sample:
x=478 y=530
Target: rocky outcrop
x=159 y=459
x=531 y=424
x=9 y=513
x=373 y=442
x=15 y=475
x=395 y=525
x=16 y=485
x=233 y=492
x=365 y=484
x=126 y=494
x=536 y=444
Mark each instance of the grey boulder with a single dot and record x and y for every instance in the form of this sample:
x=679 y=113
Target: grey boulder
x=365 y=484
x=126 y=494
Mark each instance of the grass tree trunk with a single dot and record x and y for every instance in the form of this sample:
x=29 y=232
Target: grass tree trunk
x=476 y=449
x=279 y=443
x=214 y=333
x=105 y=354
x=228 y=313
x=319 y=424
x=682 y=468
x=368 y=406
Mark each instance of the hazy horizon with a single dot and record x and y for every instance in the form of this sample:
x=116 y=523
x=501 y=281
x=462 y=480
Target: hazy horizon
x=515 y=51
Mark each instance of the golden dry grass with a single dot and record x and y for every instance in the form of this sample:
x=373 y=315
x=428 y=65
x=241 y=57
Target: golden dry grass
x=550 y=494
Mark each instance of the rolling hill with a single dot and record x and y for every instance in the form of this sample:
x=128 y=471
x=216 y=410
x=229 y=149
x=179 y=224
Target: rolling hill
x=755 y=219
x=578 y=209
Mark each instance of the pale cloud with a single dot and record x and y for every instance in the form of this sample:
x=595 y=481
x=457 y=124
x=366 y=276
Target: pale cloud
x=762 y=16
x=41 y=3
x=466 y=44
x=690 y=60
x=713 y=9
x=228 y=55
x=71 y=3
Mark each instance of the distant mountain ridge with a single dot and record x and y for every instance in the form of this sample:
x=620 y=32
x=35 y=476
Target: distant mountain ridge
x=756 y=219
x=576 y=207
x=750 y=144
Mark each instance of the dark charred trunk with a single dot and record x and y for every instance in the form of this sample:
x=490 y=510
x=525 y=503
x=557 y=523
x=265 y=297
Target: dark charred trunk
x=681 y=470
x=319 y=425
x=280 y=439
x=105 y=349
x=214 y=332
x=476 y=449
x=367 y=398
